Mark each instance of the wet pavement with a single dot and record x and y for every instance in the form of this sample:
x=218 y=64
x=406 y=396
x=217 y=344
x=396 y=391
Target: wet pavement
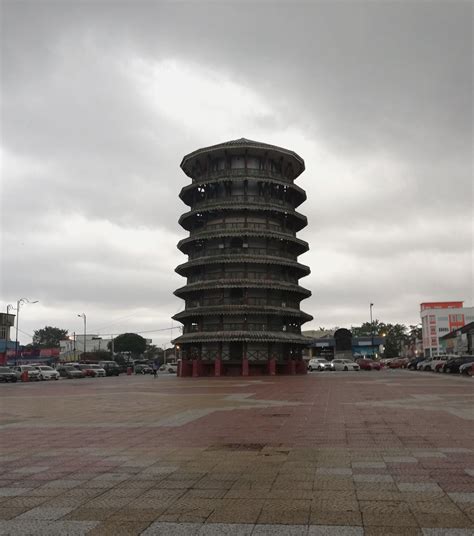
x=328 y=454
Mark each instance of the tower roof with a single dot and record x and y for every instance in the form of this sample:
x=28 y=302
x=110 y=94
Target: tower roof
x=242 y=143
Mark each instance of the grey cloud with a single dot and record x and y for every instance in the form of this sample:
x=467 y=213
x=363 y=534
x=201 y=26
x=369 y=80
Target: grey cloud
x=361 y=81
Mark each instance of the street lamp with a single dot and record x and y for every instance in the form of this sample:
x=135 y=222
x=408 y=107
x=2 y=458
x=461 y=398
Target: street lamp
x=19 y=303
x=83 y=315
x=372 y=328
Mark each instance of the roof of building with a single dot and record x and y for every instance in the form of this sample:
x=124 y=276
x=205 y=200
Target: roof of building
x=240 y=143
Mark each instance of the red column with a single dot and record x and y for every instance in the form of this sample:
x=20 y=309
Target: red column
x=218 y=367
x=292 y=367
x=245 y=366
x=195 y=368
x=272 y=366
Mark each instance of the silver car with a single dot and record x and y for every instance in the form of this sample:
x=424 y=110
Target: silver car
x=345 y=364
x=319 y=363
x=33 y=373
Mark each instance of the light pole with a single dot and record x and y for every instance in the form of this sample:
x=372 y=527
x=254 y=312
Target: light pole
x=19 y=303
x=372 y=329
x=83 y=315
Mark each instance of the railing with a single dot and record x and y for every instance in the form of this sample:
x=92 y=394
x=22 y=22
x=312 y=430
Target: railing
x=224 y=173
x=216 y=302
x=244 y=199
x=251 y=276
x=258 y=252
x=241 y=226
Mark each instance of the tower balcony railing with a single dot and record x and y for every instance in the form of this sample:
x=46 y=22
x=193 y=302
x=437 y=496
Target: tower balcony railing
x=243 y=199
x=265 y=302
x=258 y=252
x=242 y=172
x=252 y=276
x=241 y=326
x=242 y=226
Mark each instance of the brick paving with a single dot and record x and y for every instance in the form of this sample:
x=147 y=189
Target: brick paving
x=331 y=454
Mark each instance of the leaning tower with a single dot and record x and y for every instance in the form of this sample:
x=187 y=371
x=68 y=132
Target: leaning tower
x=242 y=298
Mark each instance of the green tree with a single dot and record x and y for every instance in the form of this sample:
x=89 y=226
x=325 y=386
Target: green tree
x=396 y=336
x=365 y=330
x=49 y=337
x=129 y=342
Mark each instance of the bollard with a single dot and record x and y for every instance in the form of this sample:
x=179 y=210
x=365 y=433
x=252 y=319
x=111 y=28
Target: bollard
x=24 y=376
x=129 y=371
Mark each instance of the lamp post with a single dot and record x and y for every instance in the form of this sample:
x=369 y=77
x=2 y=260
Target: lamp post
x=372 y=329
x=83 y=315
x=19 y=303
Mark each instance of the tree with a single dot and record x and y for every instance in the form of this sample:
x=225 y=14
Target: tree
x=49 y=337
x=129 y=342
x=395 y=338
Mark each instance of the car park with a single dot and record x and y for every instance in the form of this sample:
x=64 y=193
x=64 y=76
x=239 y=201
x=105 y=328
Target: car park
x=320 y=363
x=345 y=364
x=368 y=364
x=7 y=375
x=70 y=372
x=33 y=373
x=47 y=373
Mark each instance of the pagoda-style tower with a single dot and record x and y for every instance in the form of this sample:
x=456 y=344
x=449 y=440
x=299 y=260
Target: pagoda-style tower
x=242 y=298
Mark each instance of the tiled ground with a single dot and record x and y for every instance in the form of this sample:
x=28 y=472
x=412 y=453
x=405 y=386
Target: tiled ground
x=331 y=454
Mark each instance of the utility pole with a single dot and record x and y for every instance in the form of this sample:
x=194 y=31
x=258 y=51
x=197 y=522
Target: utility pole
x=372 y=329
x=83 y=315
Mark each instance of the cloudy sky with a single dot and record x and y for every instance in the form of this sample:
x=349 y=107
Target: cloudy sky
x=100 y=101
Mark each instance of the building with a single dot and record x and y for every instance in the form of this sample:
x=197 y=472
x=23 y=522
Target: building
x=73 y=347
x=439 y=319
x=7 y=346
x=341 y=343
x=459 y=341
x=242 y=296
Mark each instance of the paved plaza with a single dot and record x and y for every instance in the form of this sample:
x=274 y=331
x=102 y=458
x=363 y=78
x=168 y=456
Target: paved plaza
x=329 y=454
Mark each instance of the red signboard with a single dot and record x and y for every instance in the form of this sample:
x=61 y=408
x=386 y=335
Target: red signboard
x=442 y=305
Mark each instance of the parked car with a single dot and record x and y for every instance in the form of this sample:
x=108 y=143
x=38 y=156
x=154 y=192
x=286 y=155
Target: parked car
x=92 y=370
x=143 y=369
x=436 y=363
x=319 y=363
x=467 y=368
x=111 y=368
x=172 y=368
x=33 y=373
x=399 y=362
x=70 y=372
x=368 y=364
x=425 y=364
x=7 y=375
x=453 y=364
x=345 y=364
x=412 y=364
x=47 y=373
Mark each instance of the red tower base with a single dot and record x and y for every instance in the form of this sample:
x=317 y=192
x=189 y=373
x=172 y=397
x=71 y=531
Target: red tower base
x=196 y=368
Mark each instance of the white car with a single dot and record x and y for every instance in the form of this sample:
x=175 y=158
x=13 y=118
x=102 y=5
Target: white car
x=424 y=365
x=344 y=364
x=171 y=368
x=99 y=371
x=319 y=363
x=33 y=372
x=47 y=373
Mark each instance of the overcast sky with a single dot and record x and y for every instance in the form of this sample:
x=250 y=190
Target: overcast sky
x=101 y=100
